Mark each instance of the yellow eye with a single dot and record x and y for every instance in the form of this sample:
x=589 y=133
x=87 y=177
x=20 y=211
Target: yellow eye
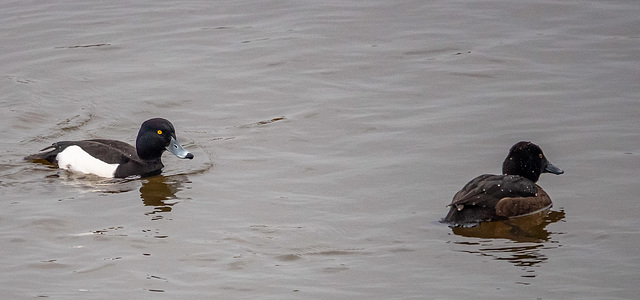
x=540 y=155
x=159 y=131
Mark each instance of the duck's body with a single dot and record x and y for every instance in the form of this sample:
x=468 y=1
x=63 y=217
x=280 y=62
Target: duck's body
x=111 y=158
x=514 y=194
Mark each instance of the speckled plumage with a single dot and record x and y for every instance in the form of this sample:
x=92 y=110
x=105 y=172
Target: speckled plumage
x=494 y=197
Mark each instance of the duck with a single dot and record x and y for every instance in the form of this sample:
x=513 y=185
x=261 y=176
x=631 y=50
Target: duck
x=513 y=194
x=117 y=159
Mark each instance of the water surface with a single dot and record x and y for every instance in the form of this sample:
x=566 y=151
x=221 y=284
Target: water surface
x=328 y=139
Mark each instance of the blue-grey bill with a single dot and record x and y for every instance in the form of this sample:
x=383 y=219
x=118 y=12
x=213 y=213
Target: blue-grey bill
x=553 y=169
x=175 y=148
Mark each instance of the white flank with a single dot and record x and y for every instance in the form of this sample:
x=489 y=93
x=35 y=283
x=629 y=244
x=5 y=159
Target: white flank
x=73 y=158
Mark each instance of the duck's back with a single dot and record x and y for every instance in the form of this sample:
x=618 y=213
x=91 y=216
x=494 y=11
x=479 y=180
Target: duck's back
x=108 y=151
x=477 y=200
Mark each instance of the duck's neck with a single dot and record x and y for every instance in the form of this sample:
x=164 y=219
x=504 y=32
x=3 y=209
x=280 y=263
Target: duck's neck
x=513 y=167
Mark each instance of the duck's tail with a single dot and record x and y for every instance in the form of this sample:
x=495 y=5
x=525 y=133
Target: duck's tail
x=49 y=156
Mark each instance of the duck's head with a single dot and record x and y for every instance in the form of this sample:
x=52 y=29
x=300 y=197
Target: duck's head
x=527 y=160
x=156 y=136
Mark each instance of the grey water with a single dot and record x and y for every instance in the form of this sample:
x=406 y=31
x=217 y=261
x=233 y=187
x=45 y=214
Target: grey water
x=328 y=136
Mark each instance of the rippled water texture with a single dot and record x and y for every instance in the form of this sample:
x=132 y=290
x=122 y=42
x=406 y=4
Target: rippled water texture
x=328 y=136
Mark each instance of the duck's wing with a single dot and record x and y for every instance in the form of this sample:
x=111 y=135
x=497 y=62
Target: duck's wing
x=486 y=190
x=109 y=151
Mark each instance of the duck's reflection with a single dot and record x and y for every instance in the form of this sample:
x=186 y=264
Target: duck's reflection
x=525 y=229
x=527 y=236
x=160 y=192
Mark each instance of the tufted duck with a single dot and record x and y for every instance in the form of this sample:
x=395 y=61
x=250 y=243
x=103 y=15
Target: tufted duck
x=514 y=194
x=110 y=158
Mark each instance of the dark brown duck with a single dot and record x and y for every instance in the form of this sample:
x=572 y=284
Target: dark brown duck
x=497 y=197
